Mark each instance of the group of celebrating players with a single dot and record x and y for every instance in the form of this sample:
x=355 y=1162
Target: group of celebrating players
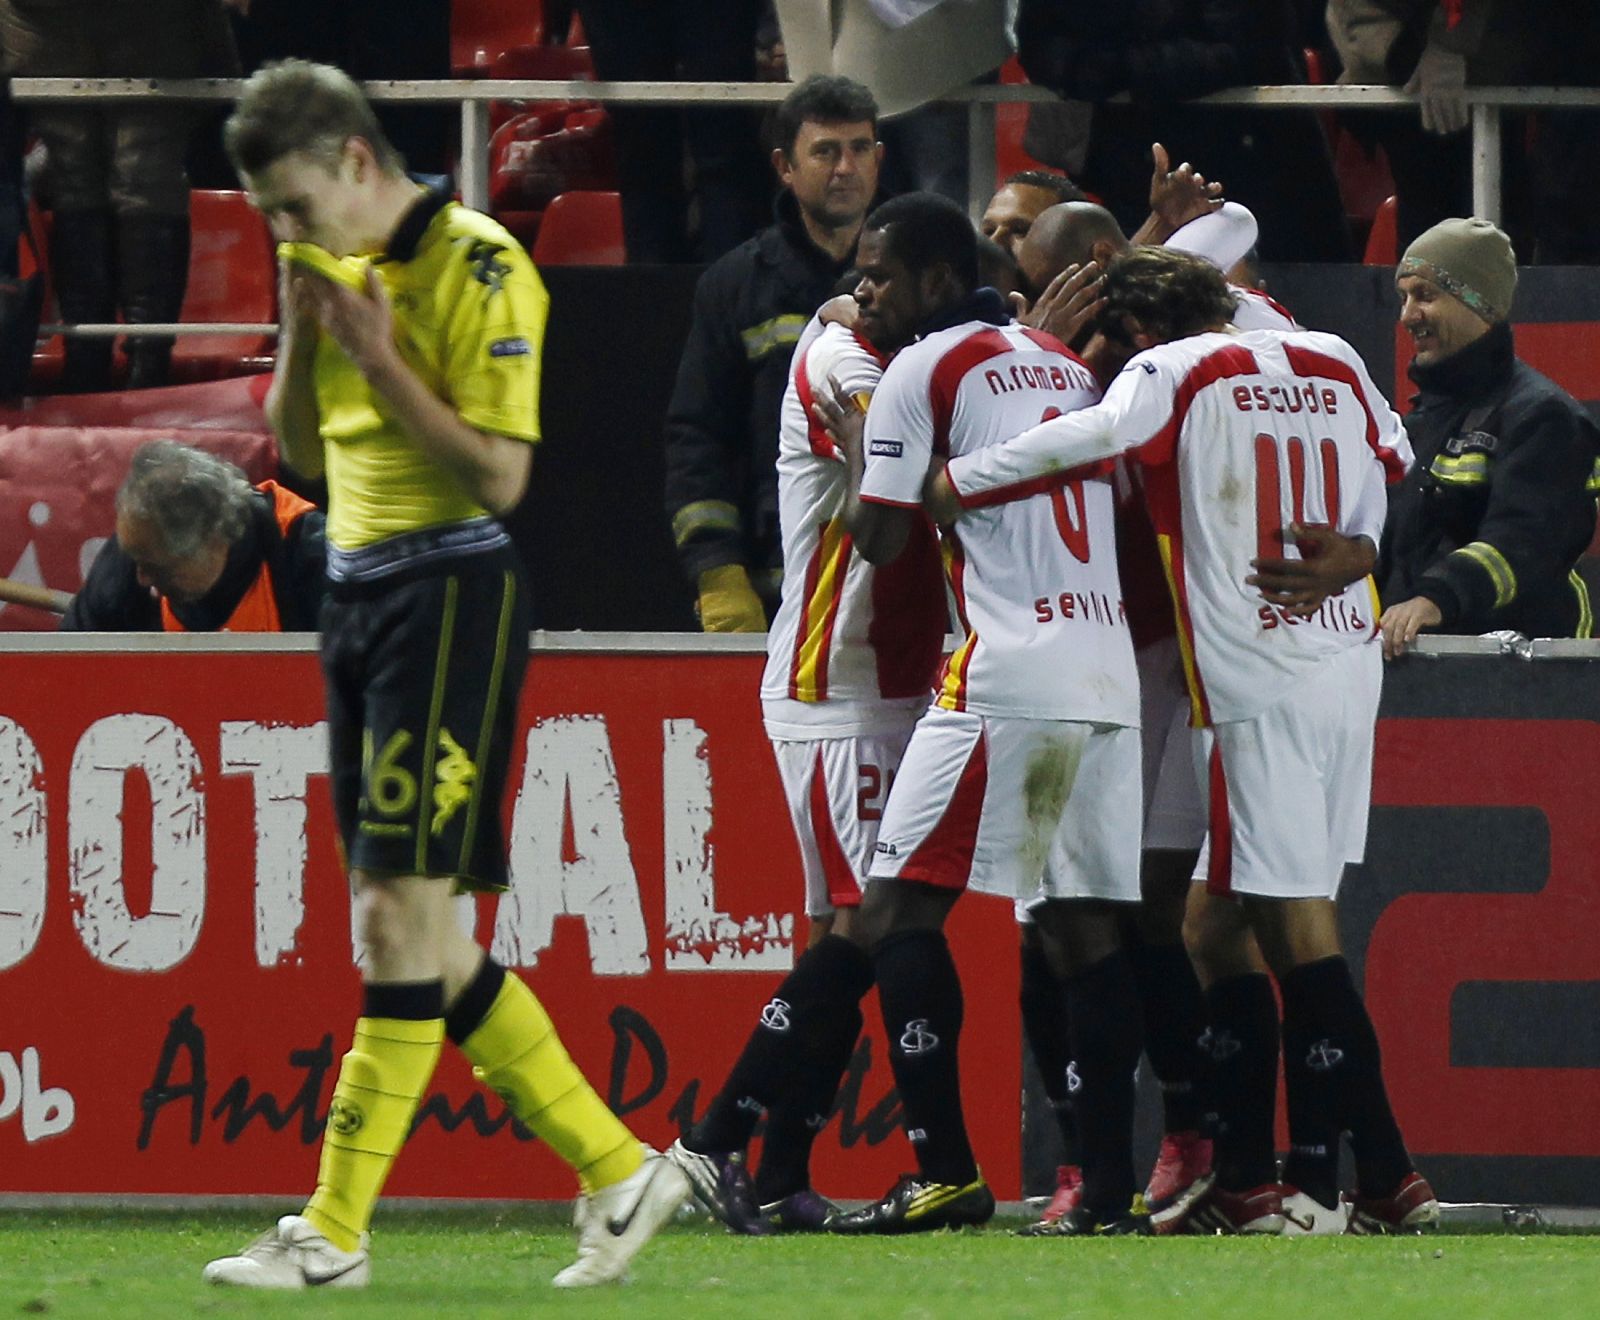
x=1231 y=454
x=1168 y=524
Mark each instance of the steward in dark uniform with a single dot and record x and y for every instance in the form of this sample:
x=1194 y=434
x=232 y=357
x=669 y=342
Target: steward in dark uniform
x=272 y=581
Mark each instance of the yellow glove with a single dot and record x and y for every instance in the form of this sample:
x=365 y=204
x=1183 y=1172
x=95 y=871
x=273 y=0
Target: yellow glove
x=728 y=603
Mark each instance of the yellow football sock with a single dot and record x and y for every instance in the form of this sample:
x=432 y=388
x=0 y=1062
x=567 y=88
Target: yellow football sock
x=380 y=1084
x=516 y=1053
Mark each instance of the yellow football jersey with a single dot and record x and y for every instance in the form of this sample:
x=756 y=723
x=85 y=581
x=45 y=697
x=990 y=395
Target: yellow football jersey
x=469 y=312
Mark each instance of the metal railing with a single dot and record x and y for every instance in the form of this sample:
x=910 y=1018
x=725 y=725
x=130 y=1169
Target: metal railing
x=474 y=95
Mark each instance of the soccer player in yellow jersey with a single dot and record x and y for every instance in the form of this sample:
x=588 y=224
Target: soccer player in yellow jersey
x=408 y=374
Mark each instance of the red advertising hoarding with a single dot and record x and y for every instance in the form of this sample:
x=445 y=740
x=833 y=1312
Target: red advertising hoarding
x=176 y=974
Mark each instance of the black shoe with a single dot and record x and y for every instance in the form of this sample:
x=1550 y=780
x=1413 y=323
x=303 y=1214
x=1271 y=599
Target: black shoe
x=915 y=1205
x=1083 y=1222
x=805 y=1211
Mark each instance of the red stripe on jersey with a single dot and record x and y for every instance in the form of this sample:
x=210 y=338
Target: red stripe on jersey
x=909 y=617
x=1308 y=362
x=950 y=370
x=869 y=348
x=1222 y=364
x=843 y=888
x=1219 y=865
x=821 y=443
x=944 y=857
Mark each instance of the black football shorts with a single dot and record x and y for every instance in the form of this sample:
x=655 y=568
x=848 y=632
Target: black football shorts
x=423 y=672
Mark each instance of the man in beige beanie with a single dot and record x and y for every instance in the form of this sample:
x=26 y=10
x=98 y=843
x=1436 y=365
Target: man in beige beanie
x=1484 y=531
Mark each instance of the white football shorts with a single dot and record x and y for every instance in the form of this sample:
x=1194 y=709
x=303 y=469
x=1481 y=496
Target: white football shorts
x=1020 y=808
x=1291 y=787
x=836 y=789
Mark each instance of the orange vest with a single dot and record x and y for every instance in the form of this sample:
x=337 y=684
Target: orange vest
x=257 y=610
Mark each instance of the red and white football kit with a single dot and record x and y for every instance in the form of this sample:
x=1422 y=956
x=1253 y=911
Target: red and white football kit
x=1237 y=435
x=1174 y=808
x=853 y=651
x=1027 y=765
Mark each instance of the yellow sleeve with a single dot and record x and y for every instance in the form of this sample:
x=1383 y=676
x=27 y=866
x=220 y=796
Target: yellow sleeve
x=496 y=341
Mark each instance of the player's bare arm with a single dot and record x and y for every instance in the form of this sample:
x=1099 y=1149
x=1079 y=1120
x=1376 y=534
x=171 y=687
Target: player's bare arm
x=1177 y=196
x=1329 y=562
x=291 y=402
x=878 y=531
x=492 y=469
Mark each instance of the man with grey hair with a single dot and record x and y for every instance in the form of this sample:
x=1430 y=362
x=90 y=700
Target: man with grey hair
x=198 y=549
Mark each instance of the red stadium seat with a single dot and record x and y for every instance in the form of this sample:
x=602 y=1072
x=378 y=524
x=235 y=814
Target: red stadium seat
x=545 y=63
x=1383 y=242
x=47 y=353
x=581 y=229
x=232 y=277
x=547 y=151
x=1010 y=124
x=482 y=30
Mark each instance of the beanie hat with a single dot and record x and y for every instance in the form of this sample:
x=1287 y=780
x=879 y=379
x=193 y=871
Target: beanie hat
x=1469 y=259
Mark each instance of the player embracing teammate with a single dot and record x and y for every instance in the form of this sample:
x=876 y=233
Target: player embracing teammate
x=1240 y=436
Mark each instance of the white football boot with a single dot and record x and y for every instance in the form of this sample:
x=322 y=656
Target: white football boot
x=614 y=1222
x=292 y=1255
x=1305 y=1216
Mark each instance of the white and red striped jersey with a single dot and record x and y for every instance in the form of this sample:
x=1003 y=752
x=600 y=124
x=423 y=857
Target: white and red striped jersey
x=1035 y=581
x=1236 y=435
x=1144 y=583
x=853 y=647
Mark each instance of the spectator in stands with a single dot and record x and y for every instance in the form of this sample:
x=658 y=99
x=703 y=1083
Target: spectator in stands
x=1438 y=50
x=749 y=309
x=116 y=177
x=1021 y=200
x=695 y=40
x=1485 y=530
x=1163 y=52
x=197 y=549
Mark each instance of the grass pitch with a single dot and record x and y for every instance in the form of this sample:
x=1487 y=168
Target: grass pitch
x=498 y=1262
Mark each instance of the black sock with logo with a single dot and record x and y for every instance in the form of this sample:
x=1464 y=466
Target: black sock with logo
x=1107 y=1039
x=1243 y=1042
x=1174 y=1020
x=920 y=993
x=1043 y=999
x=1328 y=1013
x=794 y=1121
x=796 y=1036
x=1312 y=1164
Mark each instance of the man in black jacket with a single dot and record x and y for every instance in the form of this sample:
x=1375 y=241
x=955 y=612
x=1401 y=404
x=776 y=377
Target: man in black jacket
x=197 y=549
x=749 y=309
x=1485 y=530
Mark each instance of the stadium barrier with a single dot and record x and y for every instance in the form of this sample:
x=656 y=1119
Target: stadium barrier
x=593 y=530
x=175 y=947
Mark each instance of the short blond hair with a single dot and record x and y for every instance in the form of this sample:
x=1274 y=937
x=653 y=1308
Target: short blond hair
x=297 y=106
